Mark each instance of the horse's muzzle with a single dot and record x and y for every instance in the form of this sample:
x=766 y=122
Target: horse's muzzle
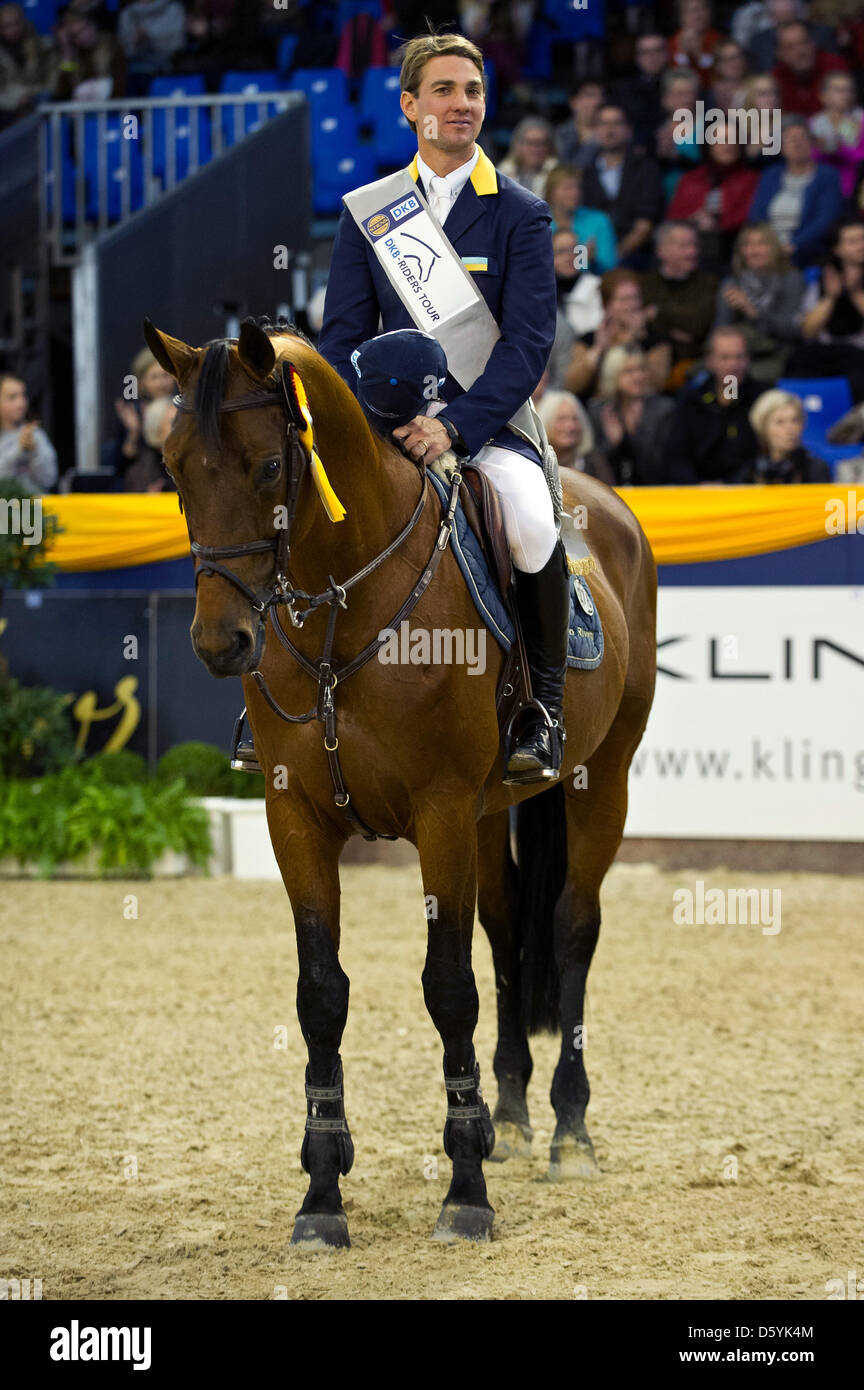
x=237 y=657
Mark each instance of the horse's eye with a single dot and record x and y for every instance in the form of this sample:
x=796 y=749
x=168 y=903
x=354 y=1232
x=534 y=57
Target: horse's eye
x=271 y=470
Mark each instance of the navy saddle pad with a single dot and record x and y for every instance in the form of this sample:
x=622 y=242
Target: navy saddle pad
x=586 y=632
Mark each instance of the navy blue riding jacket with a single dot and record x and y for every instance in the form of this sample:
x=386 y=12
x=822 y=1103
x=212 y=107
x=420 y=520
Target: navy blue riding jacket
x=493 y=220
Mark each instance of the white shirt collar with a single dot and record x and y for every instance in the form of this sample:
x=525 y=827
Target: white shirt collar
x=455 y=180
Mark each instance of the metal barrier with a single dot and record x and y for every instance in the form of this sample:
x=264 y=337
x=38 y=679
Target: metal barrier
x=102 y=162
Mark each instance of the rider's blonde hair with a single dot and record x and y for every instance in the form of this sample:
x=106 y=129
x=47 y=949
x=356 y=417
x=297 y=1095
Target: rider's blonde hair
x=415 y=54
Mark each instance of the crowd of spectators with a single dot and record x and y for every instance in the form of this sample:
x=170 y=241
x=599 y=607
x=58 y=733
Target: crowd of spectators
x=705 y=180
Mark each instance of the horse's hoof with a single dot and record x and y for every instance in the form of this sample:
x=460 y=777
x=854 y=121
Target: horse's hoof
x=511 y=1141
x=463 y=1223
x=321 y=1231
x=573 y=1159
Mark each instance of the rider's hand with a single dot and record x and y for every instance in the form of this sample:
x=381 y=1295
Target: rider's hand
x=423 y=430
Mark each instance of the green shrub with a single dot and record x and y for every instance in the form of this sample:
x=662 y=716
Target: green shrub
x=65 y=816
x=121 y=768
x=206 y=771
x=35 y=730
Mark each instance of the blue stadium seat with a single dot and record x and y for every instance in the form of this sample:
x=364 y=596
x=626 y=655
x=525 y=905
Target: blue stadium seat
x=285 y=53
x=333 y=137
x=379 y=93
x=333 y=178
x=191 y=84
x=825 y=399
x=326 y=89
x=115 y=172
x=247 y=84
x=572 y=20
x=42 y=14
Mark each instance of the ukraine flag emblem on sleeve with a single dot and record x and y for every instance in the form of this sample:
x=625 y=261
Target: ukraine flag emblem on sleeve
x=475 y=262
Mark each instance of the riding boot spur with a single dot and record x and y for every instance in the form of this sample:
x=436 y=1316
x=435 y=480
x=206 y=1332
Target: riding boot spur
x=543 y=604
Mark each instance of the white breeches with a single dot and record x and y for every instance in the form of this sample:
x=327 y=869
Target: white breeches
x=529 y=521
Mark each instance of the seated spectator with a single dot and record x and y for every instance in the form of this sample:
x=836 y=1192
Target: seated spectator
x=147 y=473
x=710 y=438
x=682 y=296
x=26 y=453
x=750 y=20
x=763 y=48
x=575 y=141
x=833 y=322
x=762 y=94
x=151 y=32
x=578 y=290
x=640 y=95
x=23 y=60
x=88 y=62
x=630 y=418
x=152 y=382
x=800 y=198
x=531 y=156
x=762 y=298
x=677 y=149
x=778 y=419
x=620 y=183
x=593 y=229
x=693 y=45
x=838 y=129
x=569 y=431
x=729 y=76
x=715 y=198
x=626 y=323
x=800 y=69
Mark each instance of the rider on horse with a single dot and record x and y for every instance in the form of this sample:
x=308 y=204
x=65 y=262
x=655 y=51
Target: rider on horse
x=502 y=234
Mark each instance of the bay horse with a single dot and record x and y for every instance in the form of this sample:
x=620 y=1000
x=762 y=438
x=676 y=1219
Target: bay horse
x=418 y=745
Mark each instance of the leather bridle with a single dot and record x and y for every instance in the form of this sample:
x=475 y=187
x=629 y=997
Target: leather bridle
x=282 y=594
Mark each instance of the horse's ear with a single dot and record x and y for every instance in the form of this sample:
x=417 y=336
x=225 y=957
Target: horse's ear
x=255 y=351
x=175 y=356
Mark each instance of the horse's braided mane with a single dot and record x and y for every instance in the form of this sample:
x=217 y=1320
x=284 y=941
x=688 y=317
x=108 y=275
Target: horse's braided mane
x=210 y=386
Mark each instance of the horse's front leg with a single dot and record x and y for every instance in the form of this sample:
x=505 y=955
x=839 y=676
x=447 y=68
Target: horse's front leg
x=447 y=844
x=312 y=879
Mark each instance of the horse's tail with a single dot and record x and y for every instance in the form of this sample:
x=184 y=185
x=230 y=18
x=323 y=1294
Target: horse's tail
x=541 y=847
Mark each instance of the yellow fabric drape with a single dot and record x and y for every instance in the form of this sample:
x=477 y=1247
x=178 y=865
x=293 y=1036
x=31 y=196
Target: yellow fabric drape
x=684 y=525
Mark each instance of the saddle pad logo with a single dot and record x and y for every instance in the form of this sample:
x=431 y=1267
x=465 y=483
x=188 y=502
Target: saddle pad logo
x=378 y=224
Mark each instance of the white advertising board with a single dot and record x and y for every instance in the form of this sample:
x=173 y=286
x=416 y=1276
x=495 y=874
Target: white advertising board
x=757 y=730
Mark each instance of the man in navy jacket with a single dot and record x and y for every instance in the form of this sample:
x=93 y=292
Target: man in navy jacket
x=502 y=234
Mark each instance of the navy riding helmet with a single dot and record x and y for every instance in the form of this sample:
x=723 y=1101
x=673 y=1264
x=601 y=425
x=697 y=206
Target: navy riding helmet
x=396 y=376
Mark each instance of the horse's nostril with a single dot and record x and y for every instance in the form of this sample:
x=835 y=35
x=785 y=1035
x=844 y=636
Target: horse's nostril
x=242 y=641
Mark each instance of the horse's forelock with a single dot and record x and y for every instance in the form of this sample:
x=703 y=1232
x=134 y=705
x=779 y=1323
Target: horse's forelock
x=210 y=393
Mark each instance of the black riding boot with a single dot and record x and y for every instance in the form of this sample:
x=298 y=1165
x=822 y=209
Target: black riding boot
x=543 y=601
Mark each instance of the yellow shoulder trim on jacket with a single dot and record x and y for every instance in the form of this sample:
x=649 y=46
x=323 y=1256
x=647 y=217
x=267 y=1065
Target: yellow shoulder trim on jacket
x=484 y=176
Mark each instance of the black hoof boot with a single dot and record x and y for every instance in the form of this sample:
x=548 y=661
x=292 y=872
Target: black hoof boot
x=321 y=1231
x=543 y=602
x=243 y=756
x=458 y=1222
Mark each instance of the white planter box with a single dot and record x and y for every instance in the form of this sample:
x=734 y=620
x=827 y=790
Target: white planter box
x=169 y=865
x=241 y=840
